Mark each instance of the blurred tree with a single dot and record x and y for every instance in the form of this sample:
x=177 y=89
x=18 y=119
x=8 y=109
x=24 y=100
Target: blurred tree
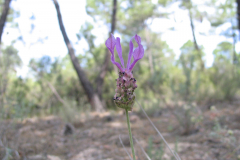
x=194 y=13
x=223 y=51
x=55 y=83
x=94 y=6
x=226 y=12
x=9 y=61
x=238 y=16
x=132 y=21
x=9 y=58
x=103 y=70
x=224 y=75
x=41 y=71
x=187 y=60
x=3 y=18
x=93 y=97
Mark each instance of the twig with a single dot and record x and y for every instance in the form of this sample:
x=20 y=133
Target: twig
x=124 y=147
x=177 y=157
x=142 y=149
x=56 y=93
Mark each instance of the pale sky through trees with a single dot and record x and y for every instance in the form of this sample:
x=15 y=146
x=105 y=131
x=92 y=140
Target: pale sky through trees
x=46 y=38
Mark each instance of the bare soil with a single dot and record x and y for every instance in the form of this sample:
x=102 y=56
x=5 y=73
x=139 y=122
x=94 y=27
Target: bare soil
x=96 y=136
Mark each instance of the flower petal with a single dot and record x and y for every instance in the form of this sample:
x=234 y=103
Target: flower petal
x=116 y=63
x=119 y=50
x=110 y=43
x=130 y=53
x=137 y=39
x=137 y=55
x=138 y=52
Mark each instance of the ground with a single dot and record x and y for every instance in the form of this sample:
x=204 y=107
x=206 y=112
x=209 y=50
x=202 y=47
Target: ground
x=96 y=136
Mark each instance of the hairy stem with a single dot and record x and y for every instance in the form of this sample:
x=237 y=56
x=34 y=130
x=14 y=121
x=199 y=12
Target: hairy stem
x=130 y=134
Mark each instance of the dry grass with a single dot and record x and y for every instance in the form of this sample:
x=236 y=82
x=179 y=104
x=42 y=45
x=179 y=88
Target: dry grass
x=96 y=136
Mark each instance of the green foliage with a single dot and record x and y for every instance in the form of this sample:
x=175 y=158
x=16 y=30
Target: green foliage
x=12 y=90
x=133 y=21
x=154 y=152
x=100 y=9
x=162 y=79
x=224 y=75
x=10 y=58
x=224 y=12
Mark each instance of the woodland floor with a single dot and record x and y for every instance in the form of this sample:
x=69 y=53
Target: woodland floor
x=96 y=136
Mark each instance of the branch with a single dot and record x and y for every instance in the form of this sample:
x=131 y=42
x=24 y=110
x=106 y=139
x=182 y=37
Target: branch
x=195 y=41
x=56 y=93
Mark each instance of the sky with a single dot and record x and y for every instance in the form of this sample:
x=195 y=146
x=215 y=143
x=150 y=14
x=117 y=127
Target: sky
x=46 y=37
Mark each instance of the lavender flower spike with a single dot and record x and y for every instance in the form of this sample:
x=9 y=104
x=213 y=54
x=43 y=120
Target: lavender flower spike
x=126 y=83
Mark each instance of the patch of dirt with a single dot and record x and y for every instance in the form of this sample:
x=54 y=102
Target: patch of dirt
x=217 y=137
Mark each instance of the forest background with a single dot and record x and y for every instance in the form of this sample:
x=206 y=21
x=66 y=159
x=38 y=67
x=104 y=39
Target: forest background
x=54 y=62
x=189 y=74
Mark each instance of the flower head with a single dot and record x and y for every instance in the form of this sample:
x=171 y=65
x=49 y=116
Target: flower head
x=126 y=83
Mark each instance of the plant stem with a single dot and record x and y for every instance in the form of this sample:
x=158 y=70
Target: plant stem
x=130 y=135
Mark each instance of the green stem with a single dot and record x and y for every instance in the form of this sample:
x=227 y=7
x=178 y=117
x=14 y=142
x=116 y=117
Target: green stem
x=130 y=135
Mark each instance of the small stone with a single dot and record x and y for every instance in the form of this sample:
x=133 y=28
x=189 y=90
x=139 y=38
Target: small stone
x=109 y=118
x=68 y=129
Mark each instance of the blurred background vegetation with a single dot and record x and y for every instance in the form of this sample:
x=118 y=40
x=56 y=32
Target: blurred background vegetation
x=163 y=77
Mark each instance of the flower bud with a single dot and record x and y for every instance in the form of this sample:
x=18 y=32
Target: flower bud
x=124 y=97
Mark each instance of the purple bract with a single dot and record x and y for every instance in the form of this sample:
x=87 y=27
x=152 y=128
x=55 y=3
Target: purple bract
x=137 y=53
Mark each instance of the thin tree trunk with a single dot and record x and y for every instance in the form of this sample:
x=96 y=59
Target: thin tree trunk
x=234 y=60
x=238 y=16
x=92 y=96
x=103 y=70
x=195 y=41
x=4 y=17
x=3 y=20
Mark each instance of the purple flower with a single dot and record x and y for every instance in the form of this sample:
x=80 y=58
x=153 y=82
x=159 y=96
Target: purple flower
x=137 y=53
x=126 y=83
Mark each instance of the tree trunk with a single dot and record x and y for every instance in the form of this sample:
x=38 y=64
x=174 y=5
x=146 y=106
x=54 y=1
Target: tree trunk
x=4 y=17
x=238 y=16
x=234 y=60
x=103 y=70
x=3 y=20
x=195 y=41
x=92 y=96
